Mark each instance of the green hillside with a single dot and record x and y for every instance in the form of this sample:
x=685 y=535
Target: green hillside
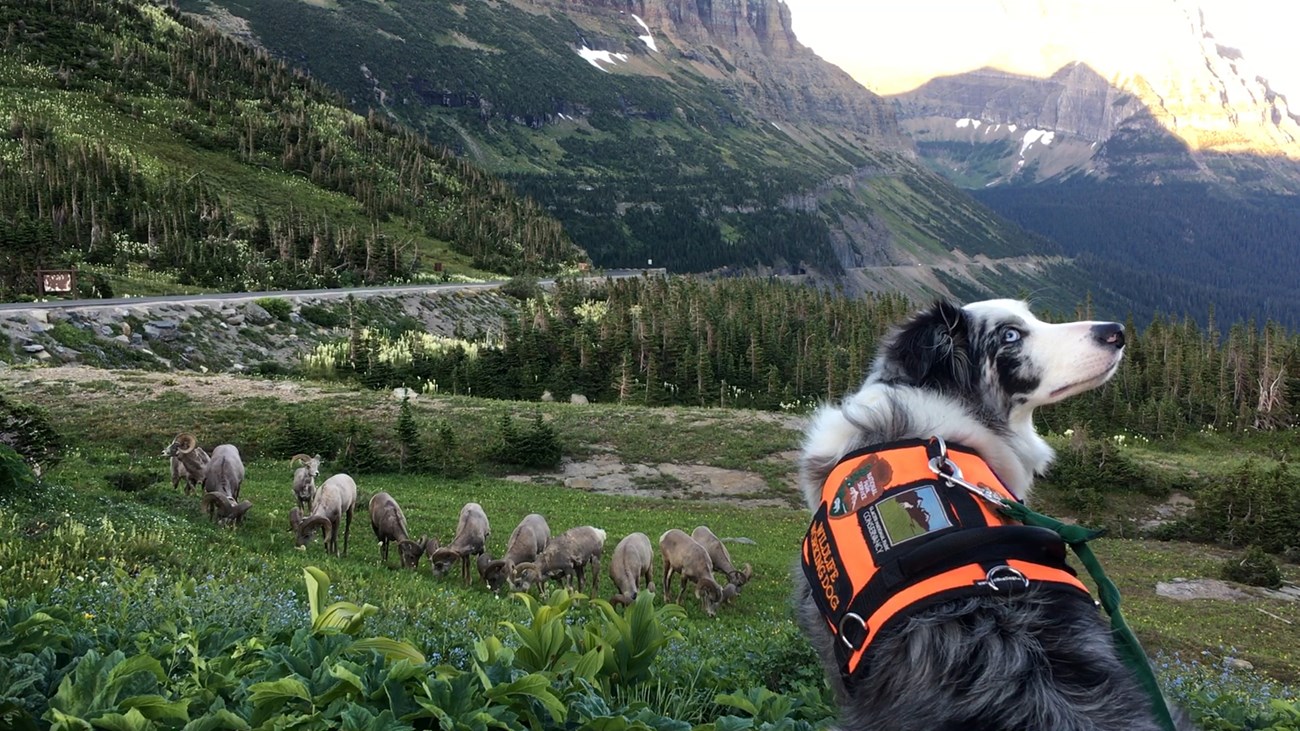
x=141 y=146
x=665 y=156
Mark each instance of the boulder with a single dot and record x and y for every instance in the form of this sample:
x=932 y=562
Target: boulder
x=257 y=315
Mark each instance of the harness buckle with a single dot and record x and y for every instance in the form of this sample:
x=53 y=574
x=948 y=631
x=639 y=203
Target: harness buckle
x=943 y=467
x=1004 y=574
x=862 y=623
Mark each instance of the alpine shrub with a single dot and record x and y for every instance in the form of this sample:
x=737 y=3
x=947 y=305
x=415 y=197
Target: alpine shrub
x=1256 y=568
x=1253 y=506
x=26 y=430
x=537 y=446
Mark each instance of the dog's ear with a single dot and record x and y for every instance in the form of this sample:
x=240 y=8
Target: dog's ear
x=933 y=348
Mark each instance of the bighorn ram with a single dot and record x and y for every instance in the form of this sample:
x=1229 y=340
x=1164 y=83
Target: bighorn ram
x=684 y=555
x=633 y=562
x=472 y=531
x=722 y=558
x=564 y=556
x=527 y=540
x=389 y=524
x=304 y=479
x=335 y=501
x=224 y=509
x=221 y=472
x=179 y=471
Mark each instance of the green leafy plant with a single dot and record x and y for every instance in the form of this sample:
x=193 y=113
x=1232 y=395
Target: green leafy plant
x=633 y=638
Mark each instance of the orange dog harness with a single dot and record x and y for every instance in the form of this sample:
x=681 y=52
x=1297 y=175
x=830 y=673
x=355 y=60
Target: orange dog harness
x=905 y=525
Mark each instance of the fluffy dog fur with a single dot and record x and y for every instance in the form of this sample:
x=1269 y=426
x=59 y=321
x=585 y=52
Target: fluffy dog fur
x=973 y=375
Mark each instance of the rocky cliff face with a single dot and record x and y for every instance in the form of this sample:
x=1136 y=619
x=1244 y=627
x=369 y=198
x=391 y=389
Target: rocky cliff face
x=1195 y=111
x=748 y=45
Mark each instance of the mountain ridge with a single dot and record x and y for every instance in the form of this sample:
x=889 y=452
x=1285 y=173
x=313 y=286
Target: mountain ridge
x=657 y=132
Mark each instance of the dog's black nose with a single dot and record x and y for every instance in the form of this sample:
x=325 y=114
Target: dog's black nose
x=1109 y=333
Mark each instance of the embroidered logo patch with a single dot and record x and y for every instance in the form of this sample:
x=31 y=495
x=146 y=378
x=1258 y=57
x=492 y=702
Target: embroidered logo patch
x=862 y=486
x=912 y=513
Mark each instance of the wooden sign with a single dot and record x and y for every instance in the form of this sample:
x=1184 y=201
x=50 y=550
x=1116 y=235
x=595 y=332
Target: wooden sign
x=56 y=281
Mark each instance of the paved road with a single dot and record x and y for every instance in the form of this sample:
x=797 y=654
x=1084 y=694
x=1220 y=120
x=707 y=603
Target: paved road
x=313 y=293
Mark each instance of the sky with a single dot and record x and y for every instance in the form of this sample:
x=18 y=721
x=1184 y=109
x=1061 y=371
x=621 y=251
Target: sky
x=891 y=46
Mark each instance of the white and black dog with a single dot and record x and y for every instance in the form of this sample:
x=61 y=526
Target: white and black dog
x=994 y=661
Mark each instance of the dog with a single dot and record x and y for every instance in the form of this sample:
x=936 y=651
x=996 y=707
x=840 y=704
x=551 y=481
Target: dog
x=962 y=380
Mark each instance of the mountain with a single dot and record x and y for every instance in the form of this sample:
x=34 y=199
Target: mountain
x=1175 y=171
x=700 y=136
x=148 y=152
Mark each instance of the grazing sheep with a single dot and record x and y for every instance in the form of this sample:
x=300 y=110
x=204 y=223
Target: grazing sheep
x=335 y=501
x=224 y=509
x=411 y=551
x=482 y=562
x=304 y=479
x=526 y=541
x=722 y=559
x=633 y=561
x=565 y=556
x=221 y=471
x=472 y=531
x=225 y=471
x=684 y=555
x=389 y=524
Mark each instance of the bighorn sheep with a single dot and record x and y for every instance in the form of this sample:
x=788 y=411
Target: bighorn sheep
x=179 y=472
x=335 y=501
x=526 y=541
x=188 y=460
x=472 y=531
x=722 y=558
x=633 y=561
x=224 y=509
x=684 y=555
x=564 y=556
x=411 y=551
x=304 y=479
x=221 y=472
x=389 y=524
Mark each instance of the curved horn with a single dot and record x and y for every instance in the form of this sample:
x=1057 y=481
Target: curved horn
x=747 y=573
x=442 y=553
x=299 y=458
x=185 y=442
x=308 y=527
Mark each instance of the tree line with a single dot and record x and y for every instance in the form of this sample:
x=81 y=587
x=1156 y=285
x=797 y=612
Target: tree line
x=135 y=132
x=755 y=343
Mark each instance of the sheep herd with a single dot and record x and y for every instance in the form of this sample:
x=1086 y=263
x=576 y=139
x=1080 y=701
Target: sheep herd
x=532 y=557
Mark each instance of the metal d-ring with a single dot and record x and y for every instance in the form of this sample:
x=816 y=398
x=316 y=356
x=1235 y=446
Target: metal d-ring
x=940 y=465
x=1004 y=572
x=861 y=622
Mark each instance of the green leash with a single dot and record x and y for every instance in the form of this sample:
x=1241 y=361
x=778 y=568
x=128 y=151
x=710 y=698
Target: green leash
x=1130 y=649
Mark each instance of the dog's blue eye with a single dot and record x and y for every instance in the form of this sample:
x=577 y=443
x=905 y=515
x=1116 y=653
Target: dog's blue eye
x=1010 y=335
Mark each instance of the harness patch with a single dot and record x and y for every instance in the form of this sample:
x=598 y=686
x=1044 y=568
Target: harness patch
x=862 y=486
x=905 y=516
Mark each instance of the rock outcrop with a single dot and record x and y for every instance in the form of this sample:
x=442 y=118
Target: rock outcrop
x=751 y=47
x=1198 y=112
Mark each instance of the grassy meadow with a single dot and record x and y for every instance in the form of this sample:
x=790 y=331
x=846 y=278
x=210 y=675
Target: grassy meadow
x=144 y=573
